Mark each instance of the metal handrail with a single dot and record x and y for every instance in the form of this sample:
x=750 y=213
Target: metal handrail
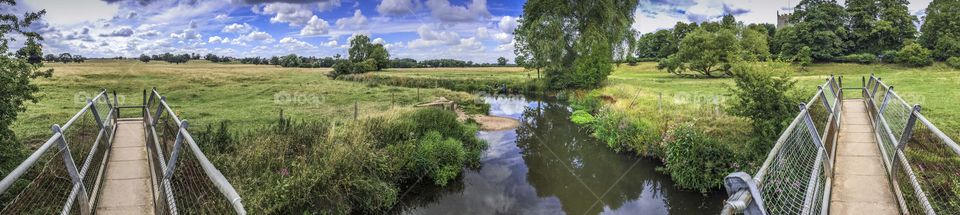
x=77 y=174
x=899 y=142
x=743 y=197
x=184 y=136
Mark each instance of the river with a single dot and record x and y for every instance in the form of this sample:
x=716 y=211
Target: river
x=551 y=166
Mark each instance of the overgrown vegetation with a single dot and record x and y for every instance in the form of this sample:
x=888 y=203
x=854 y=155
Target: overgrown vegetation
x=17 y=73
x=322 y=166
x=764 y=97
x=364 y=57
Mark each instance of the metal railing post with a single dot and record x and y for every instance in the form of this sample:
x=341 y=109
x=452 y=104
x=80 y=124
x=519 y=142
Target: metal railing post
x=823 y=96
x=171 y=164
x=159 y=110
x=908 y=130
x=96 y=115
x=876 y=85
x=106 y=97
x=72 y=170
x=886 y=100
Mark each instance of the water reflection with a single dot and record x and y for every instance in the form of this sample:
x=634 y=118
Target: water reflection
x=550 y=166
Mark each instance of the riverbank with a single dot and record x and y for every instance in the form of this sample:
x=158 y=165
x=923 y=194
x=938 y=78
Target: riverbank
x=642 y=110
x=289 y=139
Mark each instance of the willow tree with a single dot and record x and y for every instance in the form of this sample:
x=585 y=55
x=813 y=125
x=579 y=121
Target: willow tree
x=575 y=41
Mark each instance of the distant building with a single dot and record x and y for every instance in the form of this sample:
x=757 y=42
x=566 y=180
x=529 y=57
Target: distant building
x=783 y=20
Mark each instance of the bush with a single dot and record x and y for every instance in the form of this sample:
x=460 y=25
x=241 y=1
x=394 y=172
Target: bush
x=620 y=132
x=696 y=161
x=441 y=159
x=581 y=117
x=864 y=58
x=954 y=62
x=889 y=56
x=347 y=67
x=914 y=55
x=947 y=47
x=763 y=97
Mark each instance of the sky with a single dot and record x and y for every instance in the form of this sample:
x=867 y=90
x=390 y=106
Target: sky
x=474 y=30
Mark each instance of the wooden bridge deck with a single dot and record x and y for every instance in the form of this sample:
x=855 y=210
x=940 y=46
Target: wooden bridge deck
x=860 y=184
x=127 y=187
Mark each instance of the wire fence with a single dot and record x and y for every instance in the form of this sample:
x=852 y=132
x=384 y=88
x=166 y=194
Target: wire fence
x=187 y=182
x=795 y=177
x=922 y=161
x=60 y=176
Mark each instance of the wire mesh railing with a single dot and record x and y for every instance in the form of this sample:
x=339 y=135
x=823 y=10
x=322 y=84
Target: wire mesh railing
x=186 y=182
x=62 y=175
x=796 y=176
x=923 y=163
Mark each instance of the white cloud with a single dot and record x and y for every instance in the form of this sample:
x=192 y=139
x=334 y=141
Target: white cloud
x=75 y=11
x=483 y=32
x=294 y=14
x=354 y=22
x=215 y=39
x=121 y=32
x=332 y=43
x=188 y=34
x=443 y=10
x=237 y=28
x=328 y=5
x=379 y=41
x=395 y=7
x=257 y=36
x=503 y=37
x=507 y=24
x=469 y=45
x=431 y=38
x=222 y=17
x=291 y=43
x=316 y=26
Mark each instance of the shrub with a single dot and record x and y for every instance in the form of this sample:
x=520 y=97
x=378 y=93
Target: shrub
x=864 y=58
x=620 y=132
x=440 y=158
x=696 y=161
x=914 y=55
x=954 y=62
x=889 y=56
x=581 y=117
x=947 y=47
x=763 y=97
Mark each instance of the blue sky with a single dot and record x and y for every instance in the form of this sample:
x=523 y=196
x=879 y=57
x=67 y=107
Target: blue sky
x=476 y=30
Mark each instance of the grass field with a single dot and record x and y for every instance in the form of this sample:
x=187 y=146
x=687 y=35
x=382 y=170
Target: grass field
x=206 y=93
x=935 y=88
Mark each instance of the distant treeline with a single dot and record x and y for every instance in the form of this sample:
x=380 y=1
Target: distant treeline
x=293 y=60
x=64 y=58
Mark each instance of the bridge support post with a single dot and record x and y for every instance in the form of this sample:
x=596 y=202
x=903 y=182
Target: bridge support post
x=159 y=110
x=886 y=100
x=818 y=142
x=172 y=163
x=71 y=167
x=823 y=97
x=96 y=115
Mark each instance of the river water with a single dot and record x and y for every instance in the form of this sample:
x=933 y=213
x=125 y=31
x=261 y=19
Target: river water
x=551 y=166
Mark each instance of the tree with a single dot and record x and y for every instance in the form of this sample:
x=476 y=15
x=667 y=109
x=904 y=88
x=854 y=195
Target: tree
x=863 y=18
x=520 y=60
x=50 y=58
x=803 y=58
x=575 y=40
x=66 y=57
x=380 y=55
x=729 y=22
x=16 y=75
x=706 y=53
x=502 y=61
x=144 y=58
x=763 y=96
x=914 y=55
x=820 y=25
x=274 y=60
x=940 y=30
x=291 y=60
x=754 y=44
x=359 y=48
x=895 y=26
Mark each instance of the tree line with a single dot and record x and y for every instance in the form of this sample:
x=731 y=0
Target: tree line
x=62 y=58
x=862 y=31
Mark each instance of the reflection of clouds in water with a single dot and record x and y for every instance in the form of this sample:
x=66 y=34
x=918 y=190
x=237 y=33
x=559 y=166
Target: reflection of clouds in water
x=506 y=106
x=651 y=201
x=499 y=143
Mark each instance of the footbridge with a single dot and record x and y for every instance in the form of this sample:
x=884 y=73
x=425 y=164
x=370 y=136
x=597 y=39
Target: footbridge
x=100 y=163
x=873 y=154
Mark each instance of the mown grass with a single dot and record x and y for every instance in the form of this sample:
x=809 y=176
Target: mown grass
x=205 y=93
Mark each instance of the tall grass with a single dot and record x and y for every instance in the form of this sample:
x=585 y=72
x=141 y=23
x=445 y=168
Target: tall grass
x=328 y=167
